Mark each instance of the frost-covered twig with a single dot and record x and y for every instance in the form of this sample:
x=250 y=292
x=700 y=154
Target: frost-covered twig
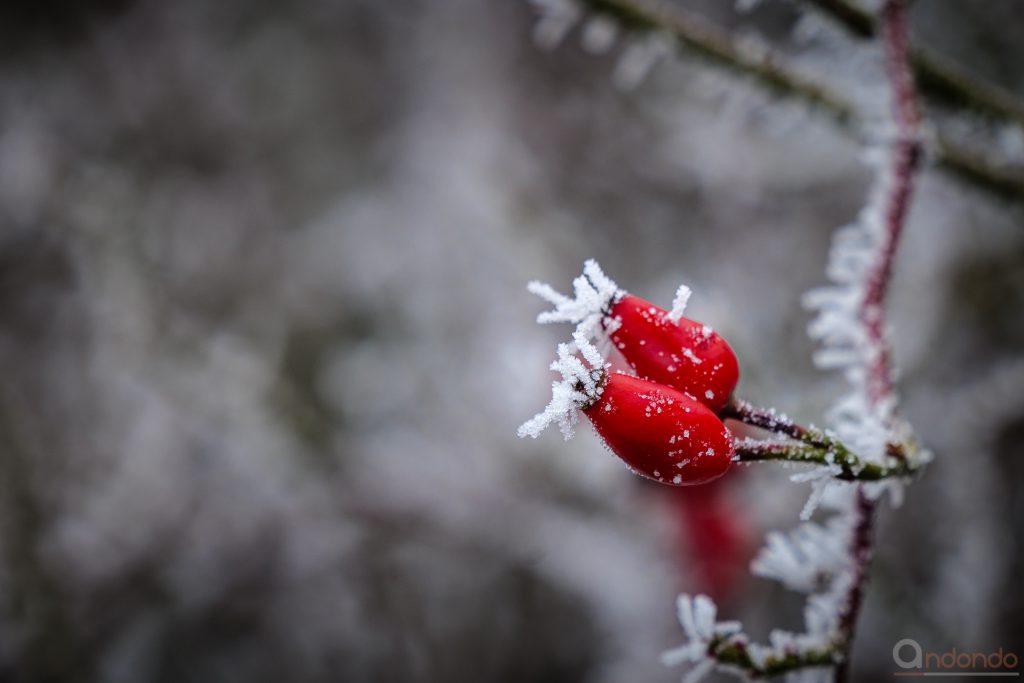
x=848 y=466
x=771 y=71
x=896 y=189
x=771 y=420
x=712 y=643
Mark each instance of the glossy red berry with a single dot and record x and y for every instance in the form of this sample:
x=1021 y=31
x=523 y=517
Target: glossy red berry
x=660 y=432
x=686 y=354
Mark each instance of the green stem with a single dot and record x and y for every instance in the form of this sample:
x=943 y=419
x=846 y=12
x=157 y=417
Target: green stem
x=734 y=653
x=853 y=468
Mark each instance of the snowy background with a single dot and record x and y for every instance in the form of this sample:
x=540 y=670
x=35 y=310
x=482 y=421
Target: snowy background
x=266 y=341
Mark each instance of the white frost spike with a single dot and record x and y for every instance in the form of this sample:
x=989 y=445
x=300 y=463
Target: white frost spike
x=637 y=61
x=821 y=479
x=589 y=351
x=579 y=385
x=593 y=293
x=802 y=558
x=679 y=303
x=697 y=617
x=599 y=34
x=699 y=672
x=863 y=424
x=557 y=17
x=693 y=651
x=815 y=675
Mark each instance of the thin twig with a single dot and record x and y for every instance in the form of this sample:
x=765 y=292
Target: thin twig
x=906 y=153
x=769 y=419
x=735 y=654
x=770 y=71
x=861 y=549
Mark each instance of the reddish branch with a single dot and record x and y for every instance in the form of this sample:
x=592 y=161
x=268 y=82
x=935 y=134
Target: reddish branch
x=861 y=550
x=770 y=420
x=904 y=158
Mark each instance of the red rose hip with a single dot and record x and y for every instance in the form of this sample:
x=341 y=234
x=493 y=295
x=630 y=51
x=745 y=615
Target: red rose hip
x=683 y=354
x=660 y=346
x=660 y=432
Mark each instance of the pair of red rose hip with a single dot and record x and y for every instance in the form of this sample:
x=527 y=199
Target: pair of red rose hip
x=664 y=423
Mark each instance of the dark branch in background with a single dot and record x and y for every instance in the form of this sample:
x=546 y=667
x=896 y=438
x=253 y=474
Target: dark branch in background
x=715 y=45
x=772 y=73
x=935 y=76
x=854 y=18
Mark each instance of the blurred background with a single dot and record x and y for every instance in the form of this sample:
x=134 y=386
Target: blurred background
x=265 y=339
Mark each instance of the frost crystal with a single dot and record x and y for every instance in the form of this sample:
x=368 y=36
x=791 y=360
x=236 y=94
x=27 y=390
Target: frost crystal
x=638 y=59
x=594 y=294
x=679 y=305
x=697 y=617
x=557 y=18
x=581 y=383
x=599 y=34
x=822 y=479
x=840 y=322
x=805 y=558
x=704 y=634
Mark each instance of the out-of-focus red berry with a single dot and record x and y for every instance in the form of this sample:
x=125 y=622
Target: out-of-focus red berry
x=686 y=355
x=661 y=432
x=715 y=541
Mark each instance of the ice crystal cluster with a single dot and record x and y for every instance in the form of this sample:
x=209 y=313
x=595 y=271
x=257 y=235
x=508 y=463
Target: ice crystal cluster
x=864 y=422
x=814 y=559
x=581 y=379
x=697 y=615
x=579 y=385
x=594 y=294
x=858 y=421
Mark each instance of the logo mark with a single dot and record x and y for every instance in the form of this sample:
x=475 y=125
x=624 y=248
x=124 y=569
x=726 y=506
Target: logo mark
x=914 y=660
